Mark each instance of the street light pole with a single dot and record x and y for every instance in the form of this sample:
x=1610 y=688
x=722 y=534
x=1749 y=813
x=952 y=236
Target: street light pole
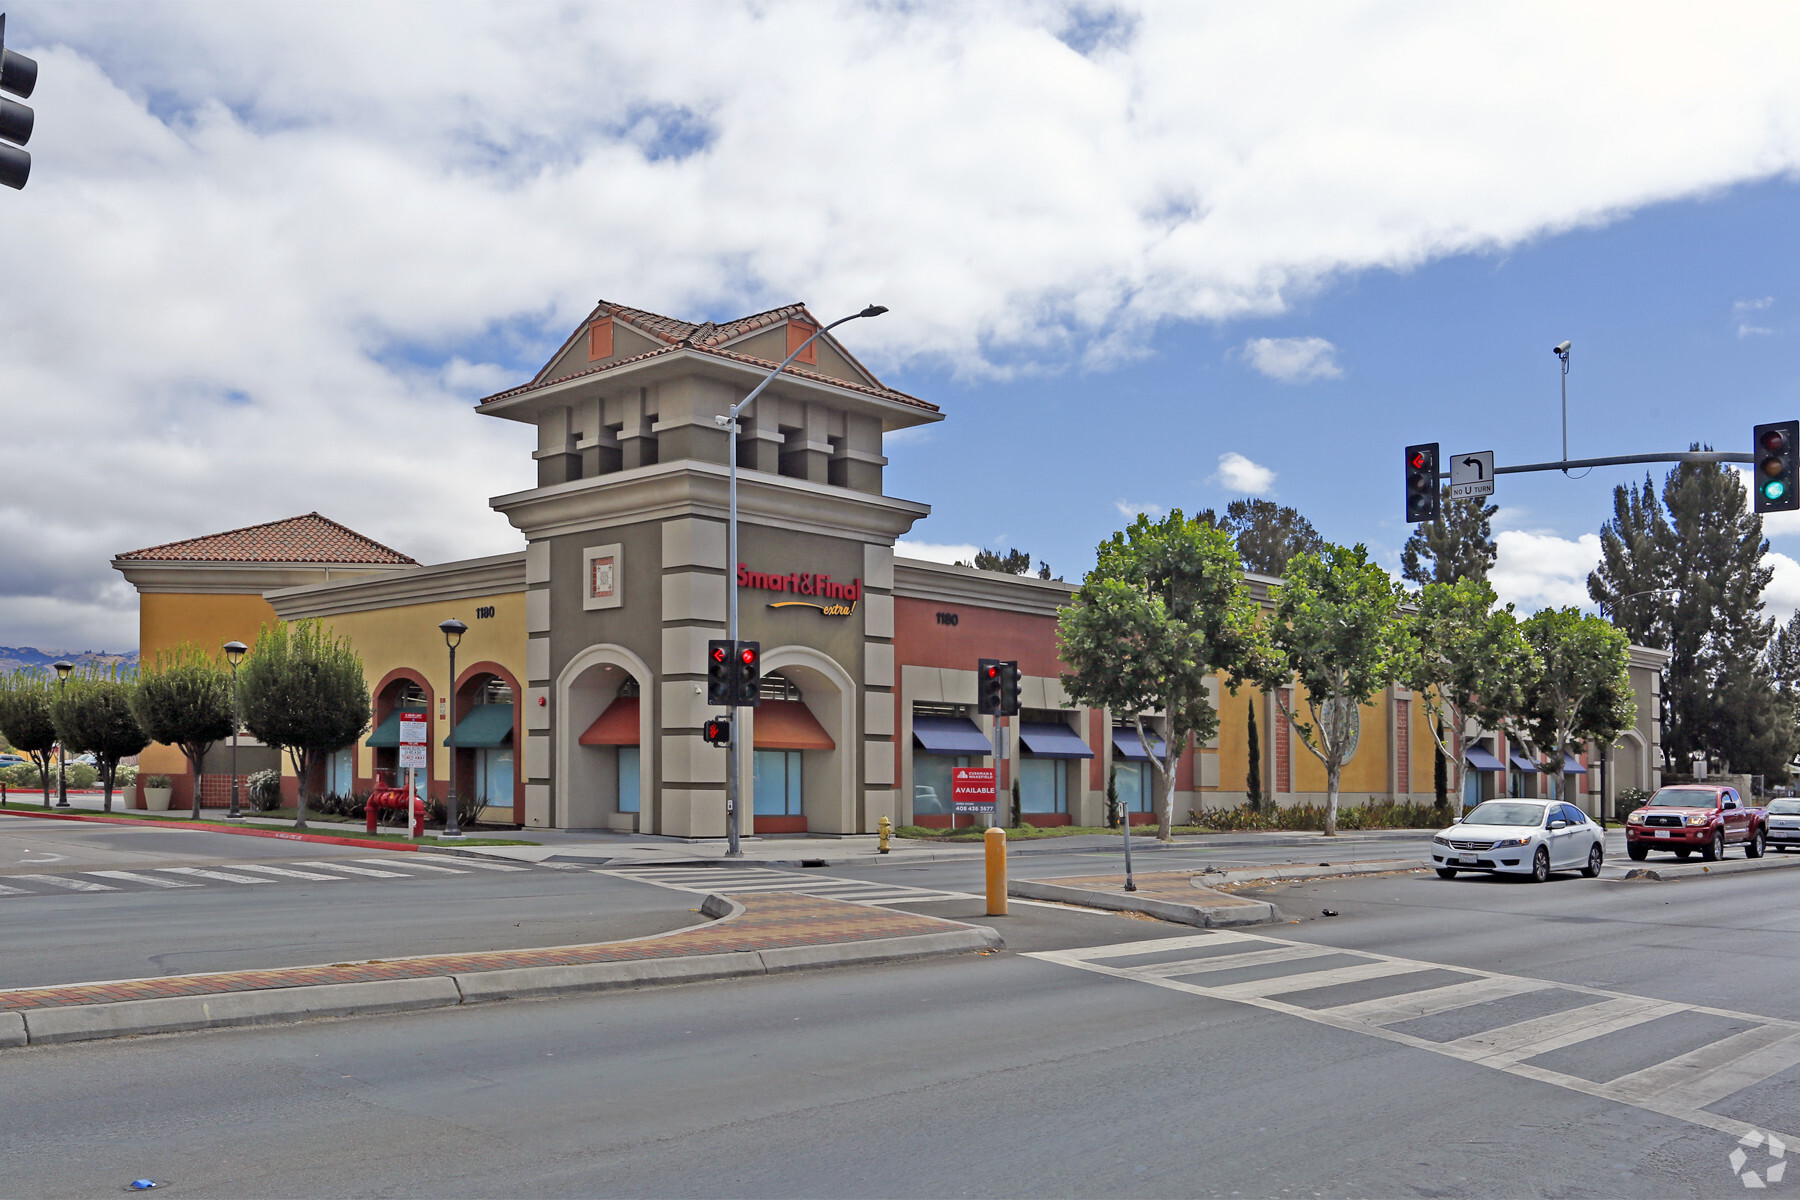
x=62 y=768
x=234 y=654
x=453 y=631
x=731 y=590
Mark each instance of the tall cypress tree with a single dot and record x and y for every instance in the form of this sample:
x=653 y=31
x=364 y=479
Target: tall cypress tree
x=1253 y=778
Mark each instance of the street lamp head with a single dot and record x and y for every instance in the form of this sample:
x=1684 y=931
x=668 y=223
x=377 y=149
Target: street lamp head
x=874 y=310
x=63 y=669
x=453 y=631
x=234 y=652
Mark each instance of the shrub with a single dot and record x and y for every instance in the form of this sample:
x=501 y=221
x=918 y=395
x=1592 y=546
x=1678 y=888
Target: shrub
x=124 y=777
x=265 y=790
x=24 y=776
x=156 y=781
x=81 y=775
x=1311 y=817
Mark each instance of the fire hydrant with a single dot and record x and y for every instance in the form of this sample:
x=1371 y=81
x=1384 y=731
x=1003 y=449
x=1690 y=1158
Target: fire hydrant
x=884 y=827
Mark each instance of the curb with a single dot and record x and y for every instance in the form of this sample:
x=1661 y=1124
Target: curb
x=1381 y=866
x=1206 y=916
x=1669 y=872
x=270 y=1006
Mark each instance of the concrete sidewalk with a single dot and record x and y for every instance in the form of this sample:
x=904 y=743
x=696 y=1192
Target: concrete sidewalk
x=759 y=934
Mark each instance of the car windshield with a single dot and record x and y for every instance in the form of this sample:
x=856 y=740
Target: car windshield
x=1786 y=808
x=1684 y=797
x=1499 y=812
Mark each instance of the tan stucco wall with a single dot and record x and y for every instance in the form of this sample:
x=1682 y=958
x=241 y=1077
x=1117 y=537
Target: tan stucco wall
x=167 y=619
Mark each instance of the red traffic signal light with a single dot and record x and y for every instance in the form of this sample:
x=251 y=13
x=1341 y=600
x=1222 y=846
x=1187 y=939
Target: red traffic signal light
x=717 y=731
x=719 y=671
x=1422 y=496
x=747 y=685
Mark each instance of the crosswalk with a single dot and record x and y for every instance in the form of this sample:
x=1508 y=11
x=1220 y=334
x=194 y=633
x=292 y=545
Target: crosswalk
x=244 y=875
x=1298 y=979
x=702 y=881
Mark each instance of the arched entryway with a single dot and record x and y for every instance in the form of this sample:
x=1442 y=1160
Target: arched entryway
x=804 y=734
x=487 y=741
x=400 y=692
x=605 y=743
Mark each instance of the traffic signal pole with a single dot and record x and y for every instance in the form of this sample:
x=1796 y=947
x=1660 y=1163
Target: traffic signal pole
x=1623 y=460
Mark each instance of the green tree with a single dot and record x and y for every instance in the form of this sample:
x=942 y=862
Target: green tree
x=1337 y=631
x=1629 y=583
x=93 y=716
x=1458 y=545
x=1578 y=689
x=1469 y=660
x=302 y=690
x=1266 y=534
x=184 y=700
x=26 y=721
x=1013 y=562
x=1253 y=792
x=1164 y=610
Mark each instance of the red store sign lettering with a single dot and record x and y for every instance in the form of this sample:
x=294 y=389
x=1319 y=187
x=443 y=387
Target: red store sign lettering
x=820 y=586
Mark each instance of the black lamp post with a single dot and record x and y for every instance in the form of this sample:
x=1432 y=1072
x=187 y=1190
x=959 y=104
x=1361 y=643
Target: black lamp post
x=234 y=654
x=62 y=772
x=453 y=631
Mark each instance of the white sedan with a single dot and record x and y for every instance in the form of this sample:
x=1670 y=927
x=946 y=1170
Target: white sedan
x=1520 y=837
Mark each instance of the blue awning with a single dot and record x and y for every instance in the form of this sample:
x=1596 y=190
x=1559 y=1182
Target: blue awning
x=1523 y=763
x=1052 y=741
x=1482 y=760
x=950 y=735
x=486 y=726
x=1572 y=766
x=387 y=734
x=1126 y=745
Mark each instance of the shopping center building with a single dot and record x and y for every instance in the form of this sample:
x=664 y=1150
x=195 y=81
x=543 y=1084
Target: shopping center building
x=580 y=685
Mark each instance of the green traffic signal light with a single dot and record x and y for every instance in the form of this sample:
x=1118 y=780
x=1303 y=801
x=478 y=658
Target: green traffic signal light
x=1774 y=489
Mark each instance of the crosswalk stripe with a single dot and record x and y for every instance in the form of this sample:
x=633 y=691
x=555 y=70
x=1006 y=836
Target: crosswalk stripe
x=1734 y=1062
x=1187 y=968
x=292 y=874
x=134 y=877
x=414 y=865
x=738 y=881
x=1314 y=979
x=1528 y=1039
x=221 y=876
x=13 y=891
x=64 y=881
x=482 y=865
x=1391 y=1010
x=354 y=870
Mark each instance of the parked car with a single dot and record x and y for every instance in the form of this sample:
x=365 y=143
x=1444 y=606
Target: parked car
x=8 y=759
x=1520 y=837
x=1784 y=824
x=1696 y=816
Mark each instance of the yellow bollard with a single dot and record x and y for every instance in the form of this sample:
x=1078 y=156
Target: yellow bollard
x=995 y=841
x=884 y=827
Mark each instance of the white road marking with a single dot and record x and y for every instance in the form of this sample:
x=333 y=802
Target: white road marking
x=417 y=866
x=287 y=871
x=13 y=891
x=354 y=870
x=484 y=865
x=738 y=881
x=221 y=876
x=64 y=881
x=134 y=877
x=1682 y=1086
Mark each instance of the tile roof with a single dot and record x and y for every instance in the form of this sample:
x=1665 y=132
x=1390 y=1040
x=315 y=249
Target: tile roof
x=708 y=338
x=307 y=539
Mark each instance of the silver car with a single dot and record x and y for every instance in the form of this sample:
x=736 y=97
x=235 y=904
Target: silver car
x=1784 y=824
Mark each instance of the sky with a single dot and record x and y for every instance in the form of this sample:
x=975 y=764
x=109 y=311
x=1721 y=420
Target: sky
x=1143 y=256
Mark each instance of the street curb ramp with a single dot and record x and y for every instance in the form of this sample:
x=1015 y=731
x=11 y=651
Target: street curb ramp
x=1201 y=914
x=271 y=1006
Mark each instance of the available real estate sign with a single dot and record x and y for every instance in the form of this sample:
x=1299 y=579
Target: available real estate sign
x=972 y=790
x=412 y=742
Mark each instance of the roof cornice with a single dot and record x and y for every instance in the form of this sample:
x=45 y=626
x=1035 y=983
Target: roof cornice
x=236 y=578
x=468 y=579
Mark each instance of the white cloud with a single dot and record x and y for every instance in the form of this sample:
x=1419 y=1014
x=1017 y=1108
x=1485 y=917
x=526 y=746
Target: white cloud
x=1742 y=311
x=1293 y=360
x=1782 y=597
x=941 y=552
x=1542 y=570
x=252 y=296
x=1130 y=511
x=1238 y=474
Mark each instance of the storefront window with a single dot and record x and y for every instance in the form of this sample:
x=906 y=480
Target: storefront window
x=1044 y=785
x=778 y=783
x=1134 y=785
x=494 y=776
x=340 y=772
x=628 y=779
x=931 y=781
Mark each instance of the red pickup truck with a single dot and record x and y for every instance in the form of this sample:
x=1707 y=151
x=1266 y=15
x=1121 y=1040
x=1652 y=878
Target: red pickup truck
x=1696 y=816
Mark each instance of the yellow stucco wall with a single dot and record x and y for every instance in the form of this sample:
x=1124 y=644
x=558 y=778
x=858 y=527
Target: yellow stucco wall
x=167 y=619
x=407 y=636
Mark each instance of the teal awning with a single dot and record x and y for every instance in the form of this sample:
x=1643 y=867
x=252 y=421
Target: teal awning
x=387 y=734
x=486 y=726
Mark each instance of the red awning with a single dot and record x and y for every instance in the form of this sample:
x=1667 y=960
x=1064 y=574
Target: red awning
x=790 y=725
x=617 y=726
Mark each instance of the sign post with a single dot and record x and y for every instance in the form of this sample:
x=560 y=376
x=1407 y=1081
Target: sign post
x=413 y=742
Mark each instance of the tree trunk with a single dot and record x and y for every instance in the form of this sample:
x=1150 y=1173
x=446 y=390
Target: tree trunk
x=44 y=777
x=106 y=786
x=1165 y=804
x=194 y=770
x=1332 y=771
x=301 y=764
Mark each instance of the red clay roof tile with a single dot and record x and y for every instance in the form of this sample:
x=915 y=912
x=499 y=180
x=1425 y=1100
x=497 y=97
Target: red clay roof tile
x=307 y=539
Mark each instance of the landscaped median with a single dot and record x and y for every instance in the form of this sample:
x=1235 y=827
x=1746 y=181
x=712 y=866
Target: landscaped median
x=761 y=934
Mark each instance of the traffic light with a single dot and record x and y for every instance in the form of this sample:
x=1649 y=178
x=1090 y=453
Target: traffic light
x=18 y=75
x=717 y=731
x=1422 y=482
x=749 y=674
x=1777 y=482
x=721 y=669
x=988 y=686
x=1009 y=689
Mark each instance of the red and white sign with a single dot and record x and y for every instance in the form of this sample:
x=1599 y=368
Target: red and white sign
x=972 y=789
x=413 y=737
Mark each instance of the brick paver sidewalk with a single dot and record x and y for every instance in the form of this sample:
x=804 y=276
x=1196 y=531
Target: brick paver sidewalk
x=770 y=920
x=1176 y=886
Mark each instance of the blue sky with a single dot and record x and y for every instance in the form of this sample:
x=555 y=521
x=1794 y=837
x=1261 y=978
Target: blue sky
x=1144 y=254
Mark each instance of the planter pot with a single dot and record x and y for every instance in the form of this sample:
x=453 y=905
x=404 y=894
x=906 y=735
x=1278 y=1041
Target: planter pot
x=157 y=799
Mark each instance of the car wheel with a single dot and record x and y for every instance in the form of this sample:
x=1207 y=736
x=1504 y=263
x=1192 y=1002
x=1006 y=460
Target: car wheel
x=1683 y=853
x=1636 y=852
x=1754 y=849
x=1540 y=865
x=1595 y=856
x=1446 y=872
x=1715 y=849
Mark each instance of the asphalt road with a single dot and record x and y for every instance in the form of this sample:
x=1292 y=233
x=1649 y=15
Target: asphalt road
x=1006 y=1074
